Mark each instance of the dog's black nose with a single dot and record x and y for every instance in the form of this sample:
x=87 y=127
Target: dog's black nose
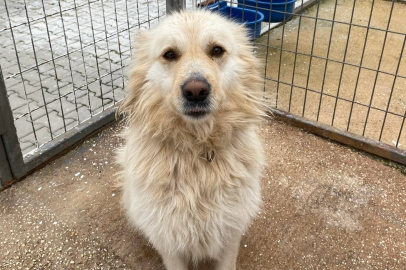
x=196 y=89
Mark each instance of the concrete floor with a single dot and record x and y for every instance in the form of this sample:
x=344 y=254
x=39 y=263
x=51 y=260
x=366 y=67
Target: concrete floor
x=325 y=207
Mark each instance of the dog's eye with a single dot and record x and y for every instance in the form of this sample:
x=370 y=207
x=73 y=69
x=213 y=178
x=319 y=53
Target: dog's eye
x=170 y=55
x=217 y=51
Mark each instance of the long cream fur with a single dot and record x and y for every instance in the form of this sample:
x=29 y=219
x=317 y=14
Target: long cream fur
x=190 y=208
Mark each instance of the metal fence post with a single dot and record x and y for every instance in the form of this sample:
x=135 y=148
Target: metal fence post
x=174 y=5
x=6 y=177
x=5 y=171
x=11 y=159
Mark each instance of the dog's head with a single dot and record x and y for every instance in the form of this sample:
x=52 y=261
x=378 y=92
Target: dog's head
x=192 y=66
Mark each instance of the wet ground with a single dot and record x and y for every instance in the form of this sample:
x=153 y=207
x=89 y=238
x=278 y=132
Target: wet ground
x=326 y=206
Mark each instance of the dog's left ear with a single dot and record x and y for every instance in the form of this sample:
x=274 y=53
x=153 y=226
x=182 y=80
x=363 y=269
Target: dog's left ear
x=136 y=75
x=127 y=105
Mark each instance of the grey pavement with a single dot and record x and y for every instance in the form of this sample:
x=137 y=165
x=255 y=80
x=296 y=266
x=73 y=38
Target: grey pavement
x=62 y=64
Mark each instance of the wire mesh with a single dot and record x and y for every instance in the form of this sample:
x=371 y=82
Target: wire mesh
x=338 y=62
x=341 y=63
x=66 y=61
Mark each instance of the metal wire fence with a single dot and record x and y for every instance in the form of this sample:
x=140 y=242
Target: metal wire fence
x=66 y=61
x=337 y=62
x=342 y=63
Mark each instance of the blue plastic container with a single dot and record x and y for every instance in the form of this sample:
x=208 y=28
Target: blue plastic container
x=216 y=5
x=251 y=19
x=273 y=10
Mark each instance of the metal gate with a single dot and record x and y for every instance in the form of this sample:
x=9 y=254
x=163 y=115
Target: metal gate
x=334 y=67
x=63 y=66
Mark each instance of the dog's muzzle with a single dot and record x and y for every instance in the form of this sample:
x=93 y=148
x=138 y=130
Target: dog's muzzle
x=196 y=94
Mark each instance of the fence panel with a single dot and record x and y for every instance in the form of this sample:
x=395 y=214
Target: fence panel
x=341 y=64
x=64 y=65
x=335 y=67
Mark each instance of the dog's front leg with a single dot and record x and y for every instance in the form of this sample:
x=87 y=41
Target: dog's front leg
x=173 y=261
x=228 y=258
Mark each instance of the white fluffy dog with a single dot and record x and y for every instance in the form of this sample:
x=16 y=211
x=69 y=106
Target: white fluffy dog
x=192 y=161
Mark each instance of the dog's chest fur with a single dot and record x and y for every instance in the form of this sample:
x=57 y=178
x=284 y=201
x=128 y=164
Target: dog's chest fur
x=184 y=203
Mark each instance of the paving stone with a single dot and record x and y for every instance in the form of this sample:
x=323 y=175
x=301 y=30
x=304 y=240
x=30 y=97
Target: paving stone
x=62 y=69
x=31 y=75
x=25 y=126
x=12 y=81
x=49 y=85
x=50 y=71
x=83 y=97
x=27 y=145
x=96 y=103
x=109 y=96
x=24 y=109
x=26 y=61
x=43 y=97
x=119 y=94
x=57 y=123
x=23 y=88
x=16 y=101
x=69 y=124
x=32 y=87
x=38 y=28
x=82 y=94
x=58 y=105
x=43 y=135
x=73 y=115
x=118 y=80
x=77 y=78
x=42 y=56
x=84 y=113
x=69 y=106
x=76 y=58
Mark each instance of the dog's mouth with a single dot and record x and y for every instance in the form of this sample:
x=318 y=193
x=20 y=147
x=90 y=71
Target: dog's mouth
x=196 y=110
x=196 y=114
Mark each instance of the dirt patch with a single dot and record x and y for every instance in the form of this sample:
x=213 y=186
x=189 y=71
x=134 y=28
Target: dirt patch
x=365 y=95
x=325 y=206
x=335 y=201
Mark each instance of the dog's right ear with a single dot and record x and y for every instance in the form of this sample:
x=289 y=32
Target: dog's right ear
x=136 y=76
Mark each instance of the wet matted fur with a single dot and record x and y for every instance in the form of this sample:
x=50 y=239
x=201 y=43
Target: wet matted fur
x=191 y=169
